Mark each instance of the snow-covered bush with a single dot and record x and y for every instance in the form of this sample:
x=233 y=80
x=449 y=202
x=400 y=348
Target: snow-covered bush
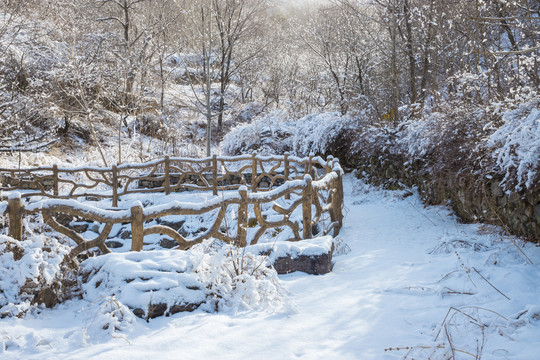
x=32 y=271
x=516 y=145
x=451 y=140
x=323 y=133
x=107 y=317
x=269 y=134
x=275 y=133
x=250 y=111
x=457 y=139
x=238 y=280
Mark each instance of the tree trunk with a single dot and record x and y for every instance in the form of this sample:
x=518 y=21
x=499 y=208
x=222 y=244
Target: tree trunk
x=395 y=90
x=410 y=51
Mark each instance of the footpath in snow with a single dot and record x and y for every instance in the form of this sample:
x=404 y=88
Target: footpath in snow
x=408 y=282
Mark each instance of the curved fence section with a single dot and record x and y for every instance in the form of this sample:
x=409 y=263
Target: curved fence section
x=163 y=175
x=302 y=195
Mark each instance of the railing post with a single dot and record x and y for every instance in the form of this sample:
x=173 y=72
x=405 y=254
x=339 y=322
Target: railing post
x=254 y=172
x=242 y=217
x=336 y=214
x=286 y=171
x=339 y=184
x=167 y=181
x=214 y=175
x=137 y=227
x=311 y=170
x=329 y=164
x=55 y=180
x=307 y=195
x=114 y=186
x=15 y=212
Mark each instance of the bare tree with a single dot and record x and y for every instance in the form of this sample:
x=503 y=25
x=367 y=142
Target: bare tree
x=235 y=21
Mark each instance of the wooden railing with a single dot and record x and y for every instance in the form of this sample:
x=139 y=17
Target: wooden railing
x=169 y=174
x=310 y=184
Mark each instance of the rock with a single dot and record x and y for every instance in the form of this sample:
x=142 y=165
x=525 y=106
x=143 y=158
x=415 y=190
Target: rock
x=496 y=189
x=184 y=233
x=47 y=297
x=198 y=232
x=313 y=256
x=315 y=264
x=63 y=219
x=125 y=234
x=183 y=308
x=155 y=310
x=168 y=243
x=79 y=227
x=176 y=225
x=114 y=244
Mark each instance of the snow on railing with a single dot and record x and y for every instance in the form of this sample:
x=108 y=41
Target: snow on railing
x=307 y=183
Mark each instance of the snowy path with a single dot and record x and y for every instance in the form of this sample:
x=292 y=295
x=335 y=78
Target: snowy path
x=408 y=265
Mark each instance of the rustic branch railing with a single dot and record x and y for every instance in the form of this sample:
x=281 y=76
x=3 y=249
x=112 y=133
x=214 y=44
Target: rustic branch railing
x=311 y=182
x=165 y=175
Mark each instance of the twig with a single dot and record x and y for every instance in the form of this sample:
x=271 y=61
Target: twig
x=444 y=321
x=450 y=342
x=414 y=207
x=468 y=353
x=484 y=309
x=414 y=347
x=521 y=251
x=467 y=271
x=490 y=283
x=34 y=148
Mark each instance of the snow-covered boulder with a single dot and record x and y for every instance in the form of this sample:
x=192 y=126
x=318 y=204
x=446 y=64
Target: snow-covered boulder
x=150 y=283
x=33 y=271
x=313 y=256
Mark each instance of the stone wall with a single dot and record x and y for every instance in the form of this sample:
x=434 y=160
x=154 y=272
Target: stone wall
x=474 y=197
x=28 y=182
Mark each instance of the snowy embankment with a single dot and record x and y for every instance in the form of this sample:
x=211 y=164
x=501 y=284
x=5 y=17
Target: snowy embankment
x=408 y=277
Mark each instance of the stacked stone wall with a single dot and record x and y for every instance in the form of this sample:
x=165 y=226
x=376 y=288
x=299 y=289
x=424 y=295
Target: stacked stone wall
x=473 y=197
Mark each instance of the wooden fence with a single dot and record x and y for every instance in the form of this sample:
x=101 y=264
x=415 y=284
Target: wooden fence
x=247 y=182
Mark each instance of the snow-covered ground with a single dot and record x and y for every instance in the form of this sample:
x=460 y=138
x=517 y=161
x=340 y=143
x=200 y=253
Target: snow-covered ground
x=409 y=282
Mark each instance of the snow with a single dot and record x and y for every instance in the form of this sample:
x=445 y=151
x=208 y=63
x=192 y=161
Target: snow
x=406 y=279
x=138 y=279
x=14 y=195
x=35 y=262
x=294 y=249
x=80 y=207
